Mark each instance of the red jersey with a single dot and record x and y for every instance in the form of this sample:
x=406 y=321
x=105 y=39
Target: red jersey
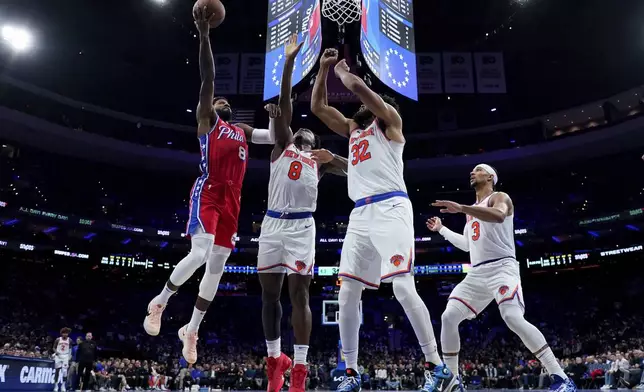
x=224 y=153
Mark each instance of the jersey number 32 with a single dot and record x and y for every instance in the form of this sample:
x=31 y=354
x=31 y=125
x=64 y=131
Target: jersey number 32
x=360 y=153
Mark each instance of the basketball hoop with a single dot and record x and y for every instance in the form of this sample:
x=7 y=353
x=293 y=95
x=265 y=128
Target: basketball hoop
x=342 y=11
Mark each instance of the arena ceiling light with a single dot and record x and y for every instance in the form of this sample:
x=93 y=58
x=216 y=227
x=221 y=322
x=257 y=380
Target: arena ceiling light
x=18 y=38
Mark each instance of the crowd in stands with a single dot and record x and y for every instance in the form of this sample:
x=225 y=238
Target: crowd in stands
x=598 y=337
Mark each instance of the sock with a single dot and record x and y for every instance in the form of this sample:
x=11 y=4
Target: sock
x=274 y=347
x=431 y=353
x=195 y=321
x=300 y=353
x=165 y=295
x=549 y=361
x=452 y=363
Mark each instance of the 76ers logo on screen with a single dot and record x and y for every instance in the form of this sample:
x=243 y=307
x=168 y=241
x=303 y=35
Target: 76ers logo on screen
x=396 y=260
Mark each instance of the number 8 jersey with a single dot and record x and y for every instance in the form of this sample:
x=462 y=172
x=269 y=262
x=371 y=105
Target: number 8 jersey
x=293 y=184
x=375 y=163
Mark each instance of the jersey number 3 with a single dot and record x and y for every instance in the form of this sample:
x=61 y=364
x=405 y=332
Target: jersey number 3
x=359 y=151
x=476 y=229
x=295 y=171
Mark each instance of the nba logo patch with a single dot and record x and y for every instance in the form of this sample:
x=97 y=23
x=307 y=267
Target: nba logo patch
x=396 y=260
x=300 y=265
x=503 y=290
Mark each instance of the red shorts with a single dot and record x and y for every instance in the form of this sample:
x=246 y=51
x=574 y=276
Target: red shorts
x=214 y=207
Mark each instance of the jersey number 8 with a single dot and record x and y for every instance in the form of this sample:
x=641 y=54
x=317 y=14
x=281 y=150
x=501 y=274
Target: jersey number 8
x=295 y=171
x=242 y=153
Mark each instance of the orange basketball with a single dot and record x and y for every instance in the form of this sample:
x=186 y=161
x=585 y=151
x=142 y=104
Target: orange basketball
x=212 y=7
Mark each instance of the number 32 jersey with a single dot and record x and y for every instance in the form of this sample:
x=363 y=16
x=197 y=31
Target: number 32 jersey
x=375 y=163
x=293 y=184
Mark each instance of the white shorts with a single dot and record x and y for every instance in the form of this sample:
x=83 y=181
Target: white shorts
x=499 y=280
x=286 y=246
x=379 y=243
x=61 y=361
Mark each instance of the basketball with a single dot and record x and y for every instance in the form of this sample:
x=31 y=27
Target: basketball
x=213 y=7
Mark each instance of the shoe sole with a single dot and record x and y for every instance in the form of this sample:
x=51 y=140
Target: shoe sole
x=184 y=344
x=148 y=329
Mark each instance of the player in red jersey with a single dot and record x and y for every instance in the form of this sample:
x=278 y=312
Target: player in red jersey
x=214 y=199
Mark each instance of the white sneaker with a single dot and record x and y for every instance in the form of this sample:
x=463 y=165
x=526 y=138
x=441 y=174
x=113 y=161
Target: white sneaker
x=152 y=322
x=189 y=340
x=62 y=388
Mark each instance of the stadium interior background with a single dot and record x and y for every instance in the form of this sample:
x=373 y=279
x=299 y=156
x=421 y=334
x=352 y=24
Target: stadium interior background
x=98 y=154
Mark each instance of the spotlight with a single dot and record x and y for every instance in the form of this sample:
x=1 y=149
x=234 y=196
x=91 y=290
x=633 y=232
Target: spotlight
x=18 y=38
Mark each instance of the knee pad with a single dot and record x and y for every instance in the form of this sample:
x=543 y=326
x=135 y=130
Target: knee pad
x=350 y=293
x=405 y=292
x=453 y=315
x=218 y=257
x=202 y=245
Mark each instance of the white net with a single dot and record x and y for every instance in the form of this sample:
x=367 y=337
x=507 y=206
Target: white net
x=342 y=11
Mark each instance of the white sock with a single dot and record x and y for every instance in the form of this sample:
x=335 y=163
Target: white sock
x=431 y=353
x=452 y=363
x=165 y=295
x=195 y=321
x=274 y=347
x=549 y=361
x=301 y=352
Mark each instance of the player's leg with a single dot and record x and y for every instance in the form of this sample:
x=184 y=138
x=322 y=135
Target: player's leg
x=298 y=288
x=466 y=301
x=506 y=285
x=63 y=371
x=58 y=371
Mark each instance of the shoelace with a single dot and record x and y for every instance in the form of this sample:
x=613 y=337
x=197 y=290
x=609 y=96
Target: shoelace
x=347 y=381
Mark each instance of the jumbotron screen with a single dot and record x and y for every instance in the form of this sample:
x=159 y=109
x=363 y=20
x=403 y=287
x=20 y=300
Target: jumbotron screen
x=387 y=42
x=286 y=17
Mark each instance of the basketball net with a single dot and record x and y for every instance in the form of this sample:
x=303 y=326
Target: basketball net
x=342 y=11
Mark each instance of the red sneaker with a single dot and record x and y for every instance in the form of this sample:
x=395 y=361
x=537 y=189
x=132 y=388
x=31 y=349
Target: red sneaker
x=275 y=369
x=298 y=378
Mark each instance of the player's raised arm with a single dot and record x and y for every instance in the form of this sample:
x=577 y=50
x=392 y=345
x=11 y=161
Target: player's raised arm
x=330 y=162
x=460 y=241
x=372 y=101
x=330 y=116
x=283 y=134
x=205 y=111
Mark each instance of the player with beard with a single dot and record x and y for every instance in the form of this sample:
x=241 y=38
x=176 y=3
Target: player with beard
x=489 y=238
x=287 y=240
x=379 y=244
x=214 y=199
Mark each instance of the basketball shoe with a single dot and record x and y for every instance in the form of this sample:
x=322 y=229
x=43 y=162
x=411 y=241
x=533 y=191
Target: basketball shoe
x=275 y=369
x=561 y=385
x=351 y=383
x=298 y=378
x=438 y=379
x=152 y=322
x=189 y=340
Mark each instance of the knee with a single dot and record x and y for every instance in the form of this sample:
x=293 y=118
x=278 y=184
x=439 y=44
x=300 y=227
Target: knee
x=512 y=317
x=201 y=249
x=350 y=293
x=405 y=291
x=271 y=294
x=452 y=316
x=300 y=297
x=217 y=260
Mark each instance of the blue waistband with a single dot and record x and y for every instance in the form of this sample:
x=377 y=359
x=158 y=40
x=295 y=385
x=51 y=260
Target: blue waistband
x=289 y=215
x=494 y=261
x=381 y=197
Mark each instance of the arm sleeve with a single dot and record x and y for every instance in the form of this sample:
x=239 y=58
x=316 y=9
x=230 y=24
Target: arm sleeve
x=458 y=240
x=264 y=136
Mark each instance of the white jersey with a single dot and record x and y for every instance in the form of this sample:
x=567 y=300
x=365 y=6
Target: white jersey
x=293 y=184
x=490 y=241
x=375 y=163
x=63 y=347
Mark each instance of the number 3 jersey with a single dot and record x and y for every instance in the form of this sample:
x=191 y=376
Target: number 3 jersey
x=293 y=184
x=375 y=163
x=489 y=241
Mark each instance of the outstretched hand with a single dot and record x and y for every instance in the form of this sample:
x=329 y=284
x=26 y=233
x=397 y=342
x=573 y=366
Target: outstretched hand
x=292 y=48
x=434 y=224
x=273 y=110
x=322 y=156
x=448 y=207
x=203 y=20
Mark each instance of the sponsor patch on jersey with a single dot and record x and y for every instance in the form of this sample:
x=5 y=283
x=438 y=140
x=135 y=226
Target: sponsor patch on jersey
x=396 y=260
x=300 y=265
x=503 y=290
